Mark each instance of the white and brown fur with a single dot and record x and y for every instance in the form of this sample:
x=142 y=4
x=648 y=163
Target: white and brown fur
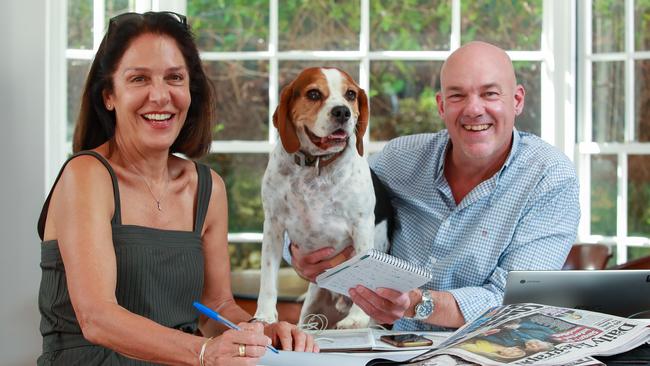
x=318 y=206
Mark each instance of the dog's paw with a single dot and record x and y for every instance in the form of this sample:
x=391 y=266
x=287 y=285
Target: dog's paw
x=354 y=322
x=267 y=317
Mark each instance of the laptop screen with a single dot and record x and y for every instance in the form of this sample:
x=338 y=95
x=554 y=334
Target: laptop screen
x=623 y=293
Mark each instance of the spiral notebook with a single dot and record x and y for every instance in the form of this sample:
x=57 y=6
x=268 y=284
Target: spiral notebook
x=374 y=269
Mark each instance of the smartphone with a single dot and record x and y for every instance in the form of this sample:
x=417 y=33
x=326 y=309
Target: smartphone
x=406 y=340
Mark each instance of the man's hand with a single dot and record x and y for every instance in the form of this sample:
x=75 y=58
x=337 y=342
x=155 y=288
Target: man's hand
x=385 y=306
x=309 y=266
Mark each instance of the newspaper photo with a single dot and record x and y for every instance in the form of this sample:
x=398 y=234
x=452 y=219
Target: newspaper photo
x=533 y=334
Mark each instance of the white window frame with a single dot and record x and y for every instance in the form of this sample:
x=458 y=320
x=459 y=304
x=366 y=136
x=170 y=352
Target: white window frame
x=586 y=147
x=555 y=55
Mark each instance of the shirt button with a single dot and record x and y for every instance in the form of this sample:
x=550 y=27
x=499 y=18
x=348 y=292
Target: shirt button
x=445 y=224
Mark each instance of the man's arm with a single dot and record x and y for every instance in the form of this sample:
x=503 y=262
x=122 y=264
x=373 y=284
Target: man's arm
x=542 y=240
x=387 y=306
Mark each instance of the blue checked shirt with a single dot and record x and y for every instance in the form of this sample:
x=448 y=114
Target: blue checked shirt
x=524 y=217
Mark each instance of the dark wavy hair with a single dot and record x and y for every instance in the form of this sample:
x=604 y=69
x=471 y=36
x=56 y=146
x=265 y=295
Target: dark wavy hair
x=96 y=124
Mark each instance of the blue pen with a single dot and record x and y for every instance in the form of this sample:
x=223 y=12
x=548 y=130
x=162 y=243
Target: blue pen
x=214 y=315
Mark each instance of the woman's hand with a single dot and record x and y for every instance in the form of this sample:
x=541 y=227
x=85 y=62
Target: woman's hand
x=225 y=349
x=310 y=265
x=385 y=306
x=290 y=338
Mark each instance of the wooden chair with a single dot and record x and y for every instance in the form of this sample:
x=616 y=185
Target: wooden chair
x=587 y=256
x=639 y=263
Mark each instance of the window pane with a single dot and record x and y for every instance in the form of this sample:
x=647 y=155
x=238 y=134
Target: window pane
x=608 y=105
x=608 y=26
x=528 y=75
x=318 y=25
x=603 y=195
x=642 y=99
x=77 y=73
x=637 y=252
x=642 y=24
x=403 y=98
x=410 y=25
x=288 y=70
x=242 y=174
x=115 y=7
x=80 y=24
x=242 y=99
x=229 y=26
x=638 y=195
x=511 y=25
x=245 y=274
x=245 y=256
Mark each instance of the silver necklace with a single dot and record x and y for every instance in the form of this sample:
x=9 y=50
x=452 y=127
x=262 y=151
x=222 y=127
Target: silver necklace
x=158 y=200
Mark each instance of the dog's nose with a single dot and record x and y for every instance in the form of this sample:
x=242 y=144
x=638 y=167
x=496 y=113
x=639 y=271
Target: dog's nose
x=341 y=113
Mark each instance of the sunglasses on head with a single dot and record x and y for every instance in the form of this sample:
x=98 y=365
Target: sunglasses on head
x=125 y=17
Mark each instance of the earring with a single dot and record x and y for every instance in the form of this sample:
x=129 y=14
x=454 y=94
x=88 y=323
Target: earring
x=109 y=107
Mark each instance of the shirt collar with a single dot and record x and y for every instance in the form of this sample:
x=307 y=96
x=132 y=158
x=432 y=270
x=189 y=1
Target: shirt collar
x=513 y=151
x=443 y=156
x=515 y=146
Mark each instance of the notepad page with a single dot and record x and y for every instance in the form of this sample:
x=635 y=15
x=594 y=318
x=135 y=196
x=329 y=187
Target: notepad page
x=371 y=273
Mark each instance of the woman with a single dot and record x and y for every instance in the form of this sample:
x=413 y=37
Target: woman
x=132 y=234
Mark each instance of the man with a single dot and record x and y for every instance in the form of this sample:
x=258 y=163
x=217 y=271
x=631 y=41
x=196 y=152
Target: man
x=471 y=202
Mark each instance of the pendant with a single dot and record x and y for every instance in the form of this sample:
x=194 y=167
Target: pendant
x=158 y=203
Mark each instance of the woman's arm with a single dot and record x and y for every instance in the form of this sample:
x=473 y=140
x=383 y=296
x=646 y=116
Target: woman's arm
x=217 y=292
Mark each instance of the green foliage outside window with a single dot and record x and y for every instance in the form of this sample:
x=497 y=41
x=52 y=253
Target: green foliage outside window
x=511 y=25
x=410 y=25
x=242 y=175
x=230 y=25
x=80 y=24
x=318 y=25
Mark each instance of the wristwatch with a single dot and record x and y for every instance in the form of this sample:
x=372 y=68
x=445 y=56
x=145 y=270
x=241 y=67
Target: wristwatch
x=425 y=307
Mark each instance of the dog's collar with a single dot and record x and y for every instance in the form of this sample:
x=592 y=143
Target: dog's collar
x=318 y=161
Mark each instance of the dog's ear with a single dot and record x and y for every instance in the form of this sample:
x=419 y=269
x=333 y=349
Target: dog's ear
x=283 y=122
x=362 y=121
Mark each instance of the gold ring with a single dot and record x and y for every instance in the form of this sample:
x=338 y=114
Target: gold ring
x=242 y=350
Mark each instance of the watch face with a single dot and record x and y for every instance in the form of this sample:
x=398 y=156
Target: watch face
x=424 y=309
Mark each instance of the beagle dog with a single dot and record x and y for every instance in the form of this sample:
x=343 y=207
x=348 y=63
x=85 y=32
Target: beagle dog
x=317 y=186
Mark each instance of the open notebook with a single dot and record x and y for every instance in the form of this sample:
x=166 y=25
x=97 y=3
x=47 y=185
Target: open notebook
x=374 y=269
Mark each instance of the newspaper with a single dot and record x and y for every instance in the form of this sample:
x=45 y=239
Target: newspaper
x=533 y=334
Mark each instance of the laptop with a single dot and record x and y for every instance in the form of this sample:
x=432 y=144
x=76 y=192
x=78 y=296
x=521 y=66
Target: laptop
x=623 y=293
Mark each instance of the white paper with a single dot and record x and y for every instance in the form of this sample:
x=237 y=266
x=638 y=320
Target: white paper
x=285 y=358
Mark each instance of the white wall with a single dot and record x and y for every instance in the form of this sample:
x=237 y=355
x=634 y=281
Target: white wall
x=22 y=176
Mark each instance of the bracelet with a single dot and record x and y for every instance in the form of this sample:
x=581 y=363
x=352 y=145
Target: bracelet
x=202 y=353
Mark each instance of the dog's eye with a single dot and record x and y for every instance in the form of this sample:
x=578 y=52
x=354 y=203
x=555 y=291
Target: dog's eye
x=350 y=95
x=314 y=94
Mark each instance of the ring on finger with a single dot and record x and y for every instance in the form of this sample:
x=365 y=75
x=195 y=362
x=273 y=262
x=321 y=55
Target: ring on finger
x=242 y=350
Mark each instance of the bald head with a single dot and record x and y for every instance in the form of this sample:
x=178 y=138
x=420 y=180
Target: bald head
x=478 y=56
